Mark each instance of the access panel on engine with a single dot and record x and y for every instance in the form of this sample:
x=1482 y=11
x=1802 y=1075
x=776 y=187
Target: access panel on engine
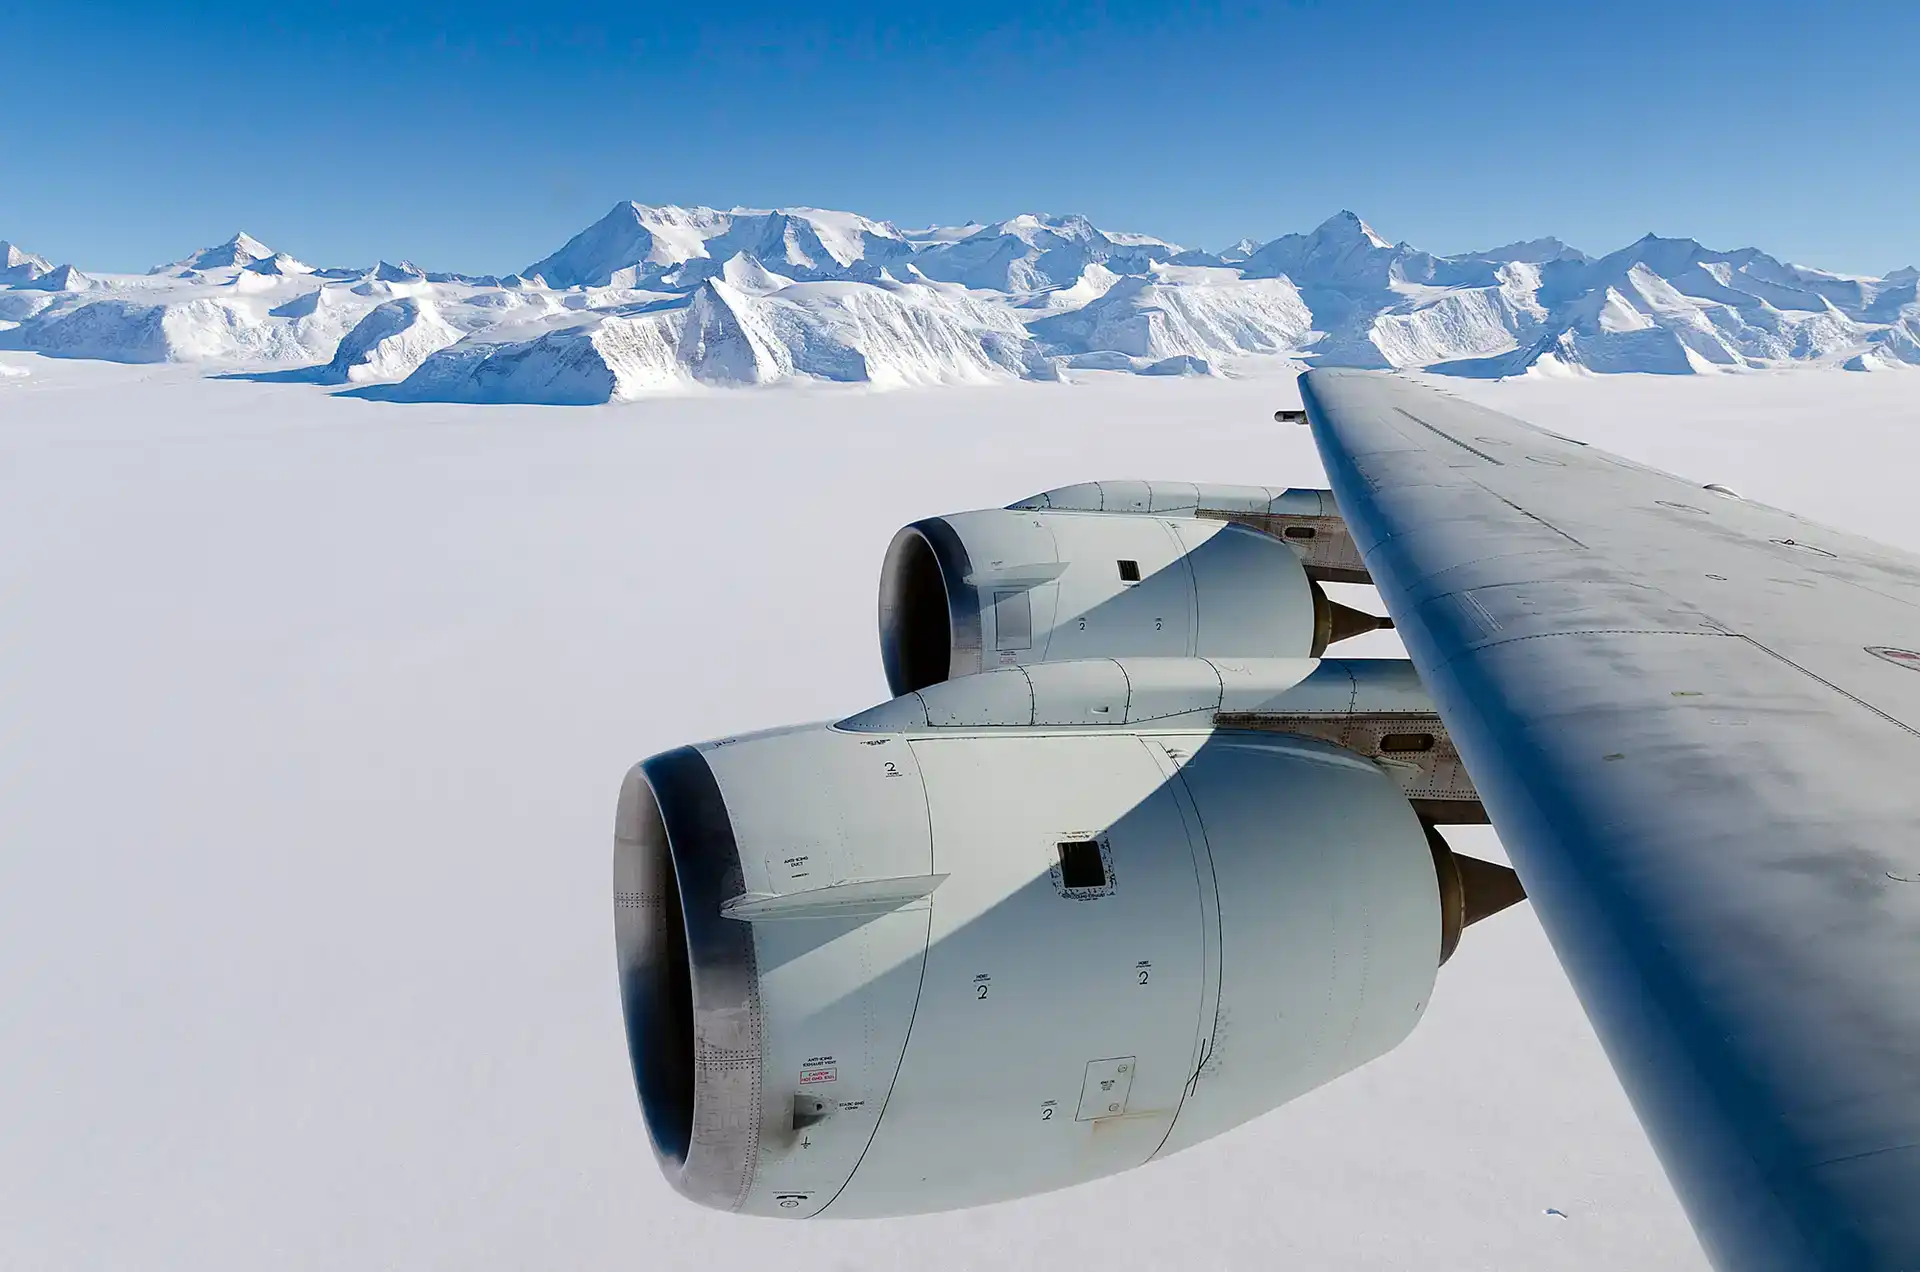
x=1045 y=965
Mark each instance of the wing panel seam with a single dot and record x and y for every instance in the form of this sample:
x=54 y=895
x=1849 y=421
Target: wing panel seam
x=1869 y=1152
x=919 y=992
x=1448 y=437
x=1533 y=516
x=1856 y=699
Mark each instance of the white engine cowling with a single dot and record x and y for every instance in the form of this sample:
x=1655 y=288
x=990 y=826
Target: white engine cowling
x=1184 y=498
x=1001 y=587
x=902 y=964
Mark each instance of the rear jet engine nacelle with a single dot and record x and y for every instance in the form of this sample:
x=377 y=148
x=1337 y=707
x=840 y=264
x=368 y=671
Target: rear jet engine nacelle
x=871 y=971
x=973 y=591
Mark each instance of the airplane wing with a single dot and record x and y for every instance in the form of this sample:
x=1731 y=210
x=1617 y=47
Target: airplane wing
x=1695 y=722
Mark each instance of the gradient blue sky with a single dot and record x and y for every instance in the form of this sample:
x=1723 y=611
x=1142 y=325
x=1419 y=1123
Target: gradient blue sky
x=480 y=135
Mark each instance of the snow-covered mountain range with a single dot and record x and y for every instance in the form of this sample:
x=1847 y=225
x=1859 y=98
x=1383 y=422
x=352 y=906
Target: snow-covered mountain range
x=651 y=299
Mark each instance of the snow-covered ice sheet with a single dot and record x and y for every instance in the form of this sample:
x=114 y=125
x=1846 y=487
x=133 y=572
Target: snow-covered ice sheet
x=316 y=710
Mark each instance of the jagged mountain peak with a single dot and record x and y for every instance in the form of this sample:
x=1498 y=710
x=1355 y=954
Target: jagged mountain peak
x=403 y=272
x=677 y=248
x=12 y=255
x=18 y=265
x=61 y=278
x=1346 y=225
x=696 y=214
x=1532 y=252
x=747 y=273
x=1030 y=226
x=1658 y=247
x=279 y=264
x=639 y=244
x=241 y=250
x=1343 y=252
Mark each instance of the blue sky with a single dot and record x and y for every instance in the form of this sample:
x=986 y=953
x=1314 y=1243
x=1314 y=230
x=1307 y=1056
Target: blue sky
x=480 y=135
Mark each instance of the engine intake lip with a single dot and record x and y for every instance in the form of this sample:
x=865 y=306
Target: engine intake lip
x=929 y=614
x=689 y=987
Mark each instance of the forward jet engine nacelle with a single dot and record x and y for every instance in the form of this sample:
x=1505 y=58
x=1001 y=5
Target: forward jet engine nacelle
x=948 y=952
x=1000 y=587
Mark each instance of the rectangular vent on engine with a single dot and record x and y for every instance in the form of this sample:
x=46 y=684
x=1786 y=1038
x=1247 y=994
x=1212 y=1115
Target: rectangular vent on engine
x=1012 y=621
x=1407 y=742
x=1299 y=532
x=1129 y=571
x=1081 y=865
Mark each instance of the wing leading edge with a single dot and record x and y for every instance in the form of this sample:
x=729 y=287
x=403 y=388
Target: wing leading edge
x=1690 y=720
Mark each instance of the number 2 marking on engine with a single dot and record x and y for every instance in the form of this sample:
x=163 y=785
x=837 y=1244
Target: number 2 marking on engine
x=893 y=770
x=982 y=982
x=1142 y=972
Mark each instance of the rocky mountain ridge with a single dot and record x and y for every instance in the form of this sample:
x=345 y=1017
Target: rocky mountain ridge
x=663 y=298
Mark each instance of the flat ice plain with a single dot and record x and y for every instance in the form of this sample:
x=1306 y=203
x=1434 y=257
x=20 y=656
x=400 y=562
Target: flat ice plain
x=314 y=714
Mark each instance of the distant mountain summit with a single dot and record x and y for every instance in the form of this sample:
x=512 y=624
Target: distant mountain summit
x=17 y=265
x=1538 y=251
x=637 y=244
x=1341 y=252
x=654 y=298
x=277 y=264
x=61 y=278
x=242 y=249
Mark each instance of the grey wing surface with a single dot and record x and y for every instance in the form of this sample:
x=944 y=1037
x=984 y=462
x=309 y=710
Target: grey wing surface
x=1693 y=722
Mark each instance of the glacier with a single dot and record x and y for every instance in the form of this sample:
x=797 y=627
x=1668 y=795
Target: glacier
x=656 y=299
x=393 y=339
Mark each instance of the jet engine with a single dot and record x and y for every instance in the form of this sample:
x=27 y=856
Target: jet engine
x=1112 y=569
x=1017 y=930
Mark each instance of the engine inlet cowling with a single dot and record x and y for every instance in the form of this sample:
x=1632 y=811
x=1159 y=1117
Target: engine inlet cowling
x=1004 y=587
x=688 y=981
x=898 y=965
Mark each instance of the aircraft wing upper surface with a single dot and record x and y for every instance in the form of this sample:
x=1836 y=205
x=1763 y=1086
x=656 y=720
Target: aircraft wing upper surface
x=1695 y=721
